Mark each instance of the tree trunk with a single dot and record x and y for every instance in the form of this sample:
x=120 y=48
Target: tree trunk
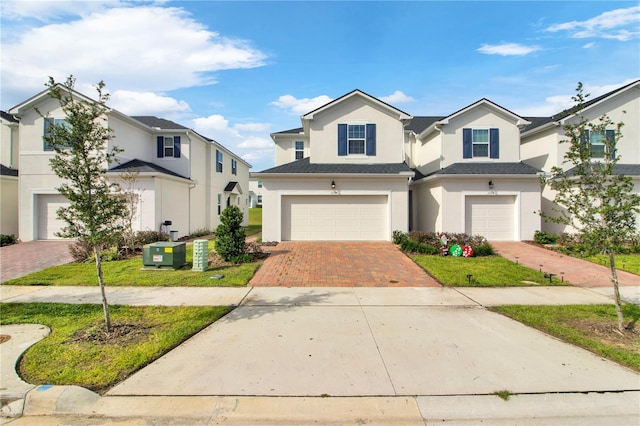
x=105 y=305
x=616 y=291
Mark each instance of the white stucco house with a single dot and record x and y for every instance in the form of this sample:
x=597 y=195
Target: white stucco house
x=541 y=147
x=255 y=193
x=8 y=174
x=181 y=176
x=358 y=169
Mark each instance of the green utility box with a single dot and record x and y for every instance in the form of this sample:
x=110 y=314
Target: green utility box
x=200 y=255
x=164 y=255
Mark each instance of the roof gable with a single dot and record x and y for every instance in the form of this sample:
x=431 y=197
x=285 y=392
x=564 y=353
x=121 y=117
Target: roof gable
x=354 y=94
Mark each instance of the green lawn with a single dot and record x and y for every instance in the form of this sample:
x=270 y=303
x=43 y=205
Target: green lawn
x=255 y=217
x=129 y=272
x=487 y=271
x=577 y=324
x=624 y=262
x=66 y=358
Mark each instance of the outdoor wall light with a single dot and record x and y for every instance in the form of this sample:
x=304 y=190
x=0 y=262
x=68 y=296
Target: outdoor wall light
x=490 y=184
x=333 y=184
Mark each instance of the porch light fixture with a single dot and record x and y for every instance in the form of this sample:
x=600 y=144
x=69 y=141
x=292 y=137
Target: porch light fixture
x=490 y=184
x=333 y=184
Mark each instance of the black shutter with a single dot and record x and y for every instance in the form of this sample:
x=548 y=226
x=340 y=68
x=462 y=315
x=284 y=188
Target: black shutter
x=467 y=144
x=342 y=139
x=176 y=146
x=160 y=140
x=494 y=143
x=611 y=142
x=371 y=139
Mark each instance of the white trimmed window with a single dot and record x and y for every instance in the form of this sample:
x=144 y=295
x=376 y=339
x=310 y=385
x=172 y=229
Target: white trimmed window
x=48 y=123
x=356 y=139
x=168 y=146
x=598 y=144
x=480 y=141
x=299 y=146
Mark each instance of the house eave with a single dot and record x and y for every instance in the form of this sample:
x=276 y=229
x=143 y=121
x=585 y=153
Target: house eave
x=323 y=175
x=475 y=176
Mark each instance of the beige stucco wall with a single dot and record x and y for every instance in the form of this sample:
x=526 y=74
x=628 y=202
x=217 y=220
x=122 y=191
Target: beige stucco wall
x=9 y=205
x=9 y=144
x=285 y=151
x=323 y=132
x=275 y=188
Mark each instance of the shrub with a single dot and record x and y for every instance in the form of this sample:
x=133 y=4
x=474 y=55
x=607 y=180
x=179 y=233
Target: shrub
x=230 y=237
x=7 y=240
x=411 y=246
x=81 y=251
x=542 y=237
x=201 y=232
x=398 y=237
x=483 y=250
x=143 y=238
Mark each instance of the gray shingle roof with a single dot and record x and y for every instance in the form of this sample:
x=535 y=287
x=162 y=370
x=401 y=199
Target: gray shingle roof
x=140 y=166
x=290 y=131
x=419 y=123
x=160 y=123
x=619 y=169
x=487 y=169
x=8 y=117
x=7 y=171
x=305 y=166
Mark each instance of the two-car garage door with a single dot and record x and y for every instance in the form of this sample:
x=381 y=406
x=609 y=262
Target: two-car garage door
x=346 y=218
x=490 y=216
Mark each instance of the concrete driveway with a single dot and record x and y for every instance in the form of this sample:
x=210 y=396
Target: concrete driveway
x=372 y=342
x=22 y=259
x=339 y=264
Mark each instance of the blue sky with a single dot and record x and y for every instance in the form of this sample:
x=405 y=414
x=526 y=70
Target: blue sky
x=238 y=71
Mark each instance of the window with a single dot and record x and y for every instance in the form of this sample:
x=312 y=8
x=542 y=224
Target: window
x=219 y=160
x=168 y=146
x=299 y=145
x=356 y=139
x=234 y=166
x=598 y=143
x=480 y=143
x=219 y=204
x=259 y=184
x=48 y=123
x=259 y=199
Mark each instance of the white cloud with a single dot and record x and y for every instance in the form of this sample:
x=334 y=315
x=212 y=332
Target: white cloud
x=147 y=103
x=301 y=106
x=609 y=25
x=216 y=127
x=397 y=97
x=252 y=127
x=131 y=48
x=254 y=142
x=50 y=10
x=589 y=45
x=507 y=49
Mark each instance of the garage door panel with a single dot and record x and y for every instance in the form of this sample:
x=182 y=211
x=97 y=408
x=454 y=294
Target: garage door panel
x=47 y=206
x=490 y=216
x=334 y=218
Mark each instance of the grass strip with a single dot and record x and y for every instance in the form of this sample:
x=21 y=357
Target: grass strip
x=592 y=327
x=71 y=356
x=487 y=271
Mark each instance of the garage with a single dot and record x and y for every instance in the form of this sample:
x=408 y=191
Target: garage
x=335 y=218
x=47 y=206
x=490 y=216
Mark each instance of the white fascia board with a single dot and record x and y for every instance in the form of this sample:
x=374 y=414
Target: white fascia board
x=263 y=176
x=474 y=176
x=538 y=129
x=156 y=174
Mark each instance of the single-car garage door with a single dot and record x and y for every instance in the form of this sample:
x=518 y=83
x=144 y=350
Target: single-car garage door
x=47 y=206
x=490 y=216
x=331 y=218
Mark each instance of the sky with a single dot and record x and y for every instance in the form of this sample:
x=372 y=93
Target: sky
x=237 y=71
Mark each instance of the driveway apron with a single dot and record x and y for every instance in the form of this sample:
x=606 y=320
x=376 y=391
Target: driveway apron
x=339 y=264
x=575 y=271
x=22 y=259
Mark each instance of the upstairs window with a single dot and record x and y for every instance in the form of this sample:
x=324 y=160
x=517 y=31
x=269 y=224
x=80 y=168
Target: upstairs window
x=480 y=143
x=47 y=134
x=259 y=184
x=234 y=166
x=598 y=143
x=219 y=159
x=356 y=139
x=219 y=204
x=299 y=145
x=168 y=146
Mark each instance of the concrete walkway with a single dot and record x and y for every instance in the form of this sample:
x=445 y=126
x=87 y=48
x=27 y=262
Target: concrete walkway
x=576 y=271
x=22 y=259
x=350 y=355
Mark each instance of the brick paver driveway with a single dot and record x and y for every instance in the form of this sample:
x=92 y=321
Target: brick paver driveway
x=340 y=264
x=24 y=258
x=576 y=271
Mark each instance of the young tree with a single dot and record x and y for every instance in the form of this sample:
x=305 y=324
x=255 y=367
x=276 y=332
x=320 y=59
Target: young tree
x=81 y=160
x=590 y=195
x=131 y=196
x=230 y=237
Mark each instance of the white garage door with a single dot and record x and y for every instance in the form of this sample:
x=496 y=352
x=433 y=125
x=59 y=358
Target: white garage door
x=332 y=218
x=491 y=217
x=48 y=222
